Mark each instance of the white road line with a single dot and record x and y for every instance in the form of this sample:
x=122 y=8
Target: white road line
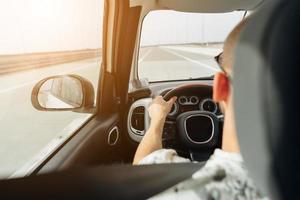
x=18 y=86
x=209 y=51
x=145 y=55
x=189 y=59
x=35 y=81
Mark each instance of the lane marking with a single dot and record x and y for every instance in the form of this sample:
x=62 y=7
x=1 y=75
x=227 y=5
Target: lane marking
x=191 y=60
x=18 y=86
x=37 y=80
x=208 y=51
x=145 y=55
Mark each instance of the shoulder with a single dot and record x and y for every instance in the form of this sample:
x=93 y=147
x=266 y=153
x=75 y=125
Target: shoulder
x=223 y=166
x=224 y=176
x=225 y=160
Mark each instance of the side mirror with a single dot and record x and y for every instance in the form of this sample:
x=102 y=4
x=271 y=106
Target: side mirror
x=63 y=93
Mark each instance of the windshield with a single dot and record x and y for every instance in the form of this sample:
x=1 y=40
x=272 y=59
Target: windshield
x=178 y=46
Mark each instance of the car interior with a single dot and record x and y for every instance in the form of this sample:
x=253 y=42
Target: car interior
x=96 y=161
x=113 y=135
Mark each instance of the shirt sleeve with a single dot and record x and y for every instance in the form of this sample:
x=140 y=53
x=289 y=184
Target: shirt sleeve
x=163 y=156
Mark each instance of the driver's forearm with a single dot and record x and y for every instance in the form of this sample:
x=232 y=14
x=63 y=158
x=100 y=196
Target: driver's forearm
x=151 y=142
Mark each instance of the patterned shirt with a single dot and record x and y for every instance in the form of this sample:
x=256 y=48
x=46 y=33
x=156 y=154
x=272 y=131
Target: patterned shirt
x=223 y=177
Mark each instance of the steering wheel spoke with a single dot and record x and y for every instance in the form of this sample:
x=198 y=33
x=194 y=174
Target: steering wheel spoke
x=169 y=134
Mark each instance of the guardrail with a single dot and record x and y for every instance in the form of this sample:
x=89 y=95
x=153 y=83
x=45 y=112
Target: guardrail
x=14 y=63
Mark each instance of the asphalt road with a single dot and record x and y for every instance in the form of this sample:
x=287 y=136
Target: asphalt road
x=28 y=135
x=178 y=62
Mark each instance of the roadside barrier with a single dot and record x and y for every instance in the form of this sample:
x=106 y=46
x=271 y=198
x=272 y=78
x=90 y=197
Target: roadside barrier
x=14 y=63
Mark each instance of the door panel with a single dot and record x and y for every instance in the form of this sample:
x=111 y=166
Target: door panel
x=88 y=147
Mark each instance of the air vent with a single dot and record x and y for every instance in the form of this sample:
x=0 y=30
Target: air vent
x=138 y=118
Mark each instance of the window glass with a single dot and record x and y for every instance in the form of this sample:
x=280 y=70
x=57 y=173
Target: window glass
x=39 y=39
x=176 y=45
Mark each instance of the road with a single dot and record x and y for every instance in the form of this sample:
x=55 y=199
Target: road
x=28 y=135
x=178 y=62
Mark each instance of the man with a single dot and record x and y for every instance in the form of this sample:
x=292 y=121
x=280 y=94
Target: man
x=224 y=175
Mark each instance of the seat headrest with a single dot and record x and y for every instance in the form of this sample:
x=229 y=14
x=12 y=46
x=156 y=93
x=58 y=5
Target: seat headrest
x=265 y=82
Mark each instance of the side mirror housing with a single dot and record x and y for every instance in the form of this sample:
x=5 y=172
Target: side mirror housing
x=63 y=93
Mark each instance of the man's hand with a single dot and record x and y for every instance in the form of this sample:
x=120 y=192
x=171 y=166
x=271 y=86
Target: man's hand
x=152 y=141
x=159 y=109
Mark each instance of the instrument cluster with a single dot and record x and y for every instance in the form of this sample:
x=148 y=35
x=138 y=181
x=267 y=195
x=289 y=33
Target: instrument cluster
x=191 y=103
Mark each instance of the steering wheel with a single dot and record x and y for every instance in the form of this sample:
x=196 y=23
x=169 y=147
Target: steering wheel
x=193 y=134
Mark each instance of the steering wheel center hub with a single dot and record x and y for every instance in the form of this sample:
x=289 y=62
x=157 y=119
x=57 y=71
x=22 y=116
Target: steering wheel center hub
x=198 y=129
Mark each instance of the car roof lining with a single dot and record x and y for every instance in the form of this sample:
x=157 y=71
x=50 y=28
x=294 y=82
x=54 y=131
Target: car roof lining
x=198 y=6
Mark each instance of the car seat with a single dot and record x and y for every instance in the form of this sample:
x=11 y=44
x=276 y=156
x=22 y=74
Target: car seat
x=265 y=87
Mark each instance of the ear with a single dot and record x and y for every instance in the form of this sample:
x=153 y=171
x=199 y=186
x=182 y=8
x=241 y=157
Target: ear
x=221 y=89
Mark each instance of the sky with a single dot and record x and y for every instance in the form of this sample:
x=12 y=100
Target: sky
x=170 y=27
x=30 y=26
x=49 y=25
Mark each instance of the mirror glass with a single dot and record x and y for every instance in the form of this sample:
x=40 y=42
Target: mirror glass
x=63 y=92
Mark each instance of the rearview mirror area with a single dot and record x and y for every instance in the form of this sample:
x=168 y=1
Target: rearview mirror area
x=63 y=93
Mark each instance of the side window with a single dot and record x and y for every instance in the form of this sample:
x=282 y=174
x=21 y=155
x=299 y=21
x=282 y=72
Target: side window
x=39 y=39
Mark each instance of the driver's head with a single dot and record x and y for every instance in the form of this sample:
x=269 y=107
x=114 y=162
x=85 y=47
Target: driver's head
x=223 y=90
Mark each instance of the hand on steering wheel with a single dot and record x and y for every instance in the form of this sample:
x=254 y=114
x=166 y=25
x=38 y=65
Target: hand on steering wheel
x=159 y=109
